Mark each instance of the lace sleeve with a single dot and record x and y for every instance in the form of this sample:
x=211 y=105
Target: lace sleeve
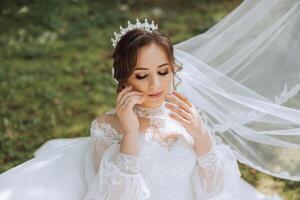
x=117 y=175
x=209 y=160
x=208 y=175
x=215 y=171
x=127 y=163
x=105 y=135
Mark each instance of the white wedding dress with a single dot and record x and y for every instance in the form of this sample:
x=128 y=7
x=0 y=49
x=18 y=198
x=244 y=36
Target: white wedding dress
x=92 y=168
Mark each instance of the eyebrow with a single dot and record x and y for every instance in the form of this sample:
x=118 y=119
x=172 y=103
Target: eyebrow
x=141 y=68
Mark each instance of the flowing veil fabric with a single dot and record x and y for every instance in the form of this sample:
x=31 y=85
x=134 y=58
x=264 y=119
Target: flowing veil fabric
x=243 y=75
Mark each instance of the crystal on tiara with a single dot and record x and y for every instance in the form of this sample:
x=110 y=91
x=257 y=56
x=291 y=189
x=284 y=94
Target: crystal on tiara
x=145 y=25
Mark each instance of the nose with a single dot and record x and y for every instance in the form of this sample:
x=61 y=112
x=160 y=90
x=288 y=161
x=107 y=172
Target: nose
x=155 y=82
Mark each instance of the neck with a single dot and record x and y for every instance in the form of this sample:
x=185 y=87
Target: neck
x=149 y=108
x=149 y=112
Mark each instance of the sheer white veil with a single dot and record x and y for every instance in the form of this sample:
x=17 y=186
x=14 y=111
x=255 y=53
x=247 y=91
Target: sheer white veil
x=243 y=75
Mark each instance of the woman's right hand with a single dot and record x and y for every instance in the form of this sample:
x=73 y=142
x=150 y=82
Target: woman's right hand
x=126 y=99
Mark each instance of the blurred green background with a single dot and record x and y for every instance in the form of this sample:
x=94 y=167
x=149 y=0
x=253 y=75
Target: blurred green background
x=55 y=68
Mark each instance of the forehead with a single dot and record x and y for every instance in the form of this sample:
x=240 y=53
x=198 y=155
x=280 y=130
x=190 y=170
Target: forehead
x=151 y=57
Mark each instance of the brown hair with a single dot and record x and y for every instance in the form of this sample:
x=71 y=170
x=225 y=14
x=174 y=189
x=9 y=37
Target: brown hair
x=125 y=53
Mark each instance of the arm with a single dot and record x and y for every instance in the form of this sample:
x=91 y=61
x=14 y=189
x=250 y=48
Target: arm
x=208 y=175
x=127 y=158
x=130 y=144
x=117 y=175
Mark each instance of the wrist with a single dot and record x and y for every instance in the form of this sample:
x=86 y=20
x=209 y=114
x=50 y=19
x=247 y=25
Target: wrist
x=130 y=144
x=200 y=132
x=202 y=144
x=200 y=136
x=131 y=133
x=127 y=163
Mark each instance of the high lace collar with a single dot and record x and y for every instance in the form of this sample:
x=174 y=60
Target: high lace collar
x=157 y=130
x=157 y=112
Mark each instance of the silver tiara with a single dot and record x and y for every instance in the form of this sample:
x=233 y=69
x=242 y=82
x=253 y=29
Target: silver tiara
x=138 y=24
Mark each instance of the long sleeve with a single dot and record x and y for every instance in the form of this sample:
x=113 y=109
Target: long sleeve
x=214 y=172
x=208 y=175
x=117 y=175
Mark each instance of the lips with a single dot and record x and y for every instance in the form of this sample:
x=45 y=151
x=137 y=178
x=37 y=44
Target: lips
x=155 y=94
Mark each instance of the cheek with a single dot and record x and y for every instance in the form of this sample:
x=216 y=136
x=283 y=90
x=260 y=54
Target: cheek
x=168 y=80
x=166 y=83
x=139 y=86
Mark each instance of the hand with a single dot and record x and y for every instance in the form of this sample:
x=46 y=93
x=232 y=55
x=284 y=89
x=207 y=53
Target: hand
x=126 y=99
x=186 y=113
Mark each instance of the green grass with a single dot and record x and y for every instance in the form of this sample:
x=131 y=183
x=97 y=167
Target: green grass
x=55 y=69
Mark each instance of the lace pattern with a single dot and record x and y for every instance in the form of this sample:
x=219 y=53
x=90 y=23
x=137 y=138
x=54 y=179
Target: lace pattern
x=150 y=112
x=127 y=163
x=101 y=129
x=209 y=160
x=124 y=174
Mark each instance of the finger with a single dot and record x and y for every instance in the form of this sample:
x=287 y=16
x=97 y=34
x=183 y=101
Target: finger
x=179 y=111
x=179 y=118
x=127 y=88
x=123 y=91
x=179 y=102
x=183 y=98
x=136 y=100
x=130 y=101
x=129 y=94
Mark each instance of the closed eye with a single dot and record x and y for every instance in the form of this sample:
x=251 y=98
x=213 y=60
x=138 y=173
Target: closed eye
x=160 y=73
x=140 y=77
x=163 y=73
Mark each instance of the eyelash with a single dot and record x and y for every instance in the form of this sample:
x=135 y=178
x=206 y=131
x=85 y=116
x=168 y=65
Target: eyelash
x=162 y=74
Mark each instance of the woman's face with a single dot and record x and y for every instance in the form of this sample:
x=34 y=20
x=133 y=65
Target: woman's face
x=152 y=75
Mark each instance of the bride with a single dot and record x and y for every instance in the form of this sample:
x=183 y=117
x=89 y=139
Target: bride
x=157 y=142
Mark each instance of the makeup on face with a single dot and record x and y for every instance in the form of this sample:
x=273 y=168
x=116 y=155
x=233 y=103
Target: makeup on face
x=155 y=95
x=161 y=73
x=151 y=74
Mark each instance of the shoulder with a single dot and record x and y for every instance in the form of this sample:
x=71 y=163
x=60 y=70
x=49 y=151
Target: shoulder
x=107 y=122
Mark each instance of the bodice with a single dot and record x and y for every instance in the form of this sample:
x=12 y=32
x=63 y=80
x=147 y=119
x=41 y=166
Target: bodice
x=164 y=168
x=162 y=128
x=167 y=158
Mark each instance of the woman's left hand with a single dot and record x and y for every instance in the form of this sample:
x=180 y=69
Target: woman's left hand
x=186 y=113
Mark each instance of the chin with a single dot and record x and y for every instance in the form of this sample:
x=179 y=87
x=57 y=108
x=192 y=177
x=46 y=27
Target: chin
x=152 y=103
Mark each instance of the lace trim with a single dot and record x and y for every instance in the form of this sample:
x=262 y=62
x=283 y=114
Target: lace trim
x=102 y=129
x=286 y=94
x=209 y=160
x=150 y=112
x=155 y=123
x=127 y=163
x=111 y=111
